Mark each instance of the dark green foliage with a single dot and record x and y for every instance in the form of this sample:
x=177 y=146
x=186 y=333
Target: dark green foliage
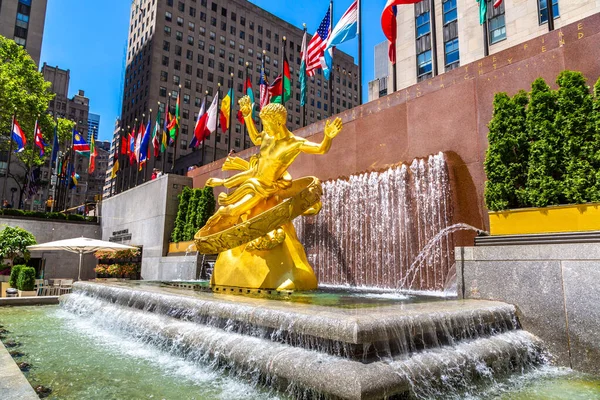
x=49 y=215
x=544 y=174
x=56 y=215
x=14 y=275
x=196 y=206
x=507 y=154
x=13 y=211
x=184 y=199
x=594 y=190
x=190 y=222
x=573 y=125
x=26 y=280
x=75 y=217
x=207 y=208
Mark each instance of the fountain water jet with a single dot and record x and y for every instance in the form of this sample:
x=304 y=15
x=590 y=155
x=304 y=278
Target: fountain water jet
x=373 y=226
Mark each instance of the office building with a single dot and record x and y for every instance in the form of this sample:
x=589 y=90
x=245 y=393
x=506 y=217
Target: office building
x=198 y=44
x=378 y=87
x=437 y=36
x=93 y=126
x=23 y=21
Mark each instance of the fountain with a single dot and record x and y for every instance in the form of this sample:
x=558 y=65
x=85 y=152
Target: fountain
x=386 y=229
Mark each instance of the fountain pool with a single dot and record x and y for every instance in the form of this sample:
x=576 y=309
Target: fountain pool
x=81 y=359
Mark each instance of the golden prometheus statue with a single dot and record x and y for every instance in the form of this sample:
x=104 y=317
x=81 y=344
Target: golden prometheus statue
x=253 y=230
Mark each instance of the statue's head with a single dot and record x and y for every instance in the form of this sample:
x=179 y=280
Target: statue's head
x=274 y=116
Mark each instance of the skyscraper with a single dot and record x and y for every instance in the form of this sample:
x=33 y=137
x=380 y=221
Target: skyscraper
x=93 y=126
x=23 y=21
x=198 y=44
x=436 y=36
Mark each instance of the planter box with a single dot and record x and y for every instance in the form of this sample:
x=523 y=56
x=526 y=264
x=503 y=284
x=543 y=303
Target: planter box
x=556 y=219
x=182 y=247
x=27 y=293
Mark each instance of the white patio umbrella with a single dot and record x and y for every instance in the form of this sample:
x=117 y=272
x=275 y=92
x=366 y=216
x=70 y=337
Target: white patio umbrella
x=81 y=246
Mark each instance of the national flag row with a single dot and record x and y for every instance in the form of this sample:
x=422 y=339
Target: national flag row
x=80 y=145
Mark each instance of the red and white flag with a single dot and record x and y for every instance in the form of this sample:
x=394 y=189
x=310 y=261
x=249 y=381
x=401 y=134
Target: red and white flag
x=317 y=45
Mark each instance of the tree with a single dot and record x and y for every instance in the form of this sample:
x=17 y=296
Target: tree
x=574 y=125
x=178 y=229
x=190 y=222
x=23 y=91
x=545 y=168
x=508 y=153
x=14 y=242
x=594 y=190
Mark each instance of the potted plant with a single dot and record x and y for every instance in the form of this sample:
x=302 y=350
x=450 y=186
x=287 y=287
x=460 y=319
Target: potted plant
x=26 y=282
x=542 y=162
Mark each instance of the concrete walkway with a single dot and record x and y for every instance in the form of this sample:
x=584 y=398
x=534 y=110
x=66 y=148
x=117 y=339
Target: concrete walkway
x=28 y=301
x=13 y=385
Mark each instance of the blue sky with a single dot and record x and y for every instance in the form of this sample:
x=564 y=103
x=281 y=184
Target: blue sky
x=89 y=38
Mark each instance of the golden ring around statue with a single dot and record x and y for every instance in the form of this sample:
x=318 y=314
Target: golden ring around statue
x=303 y=194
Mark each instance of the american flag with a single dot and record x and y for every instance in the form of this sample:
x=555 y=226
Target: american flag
x=264 y=86
x=317 y=45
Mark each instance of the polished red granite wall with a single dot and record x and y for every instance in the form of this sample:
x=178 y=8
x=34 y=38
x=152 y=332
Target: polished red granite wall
x=448 y=113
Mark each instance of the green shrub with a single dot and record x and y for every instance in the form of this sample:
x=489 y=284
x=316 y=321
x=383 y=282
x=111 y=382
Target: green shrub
x=573 y=123
x=26 y=281
x=56 y=215
x=14 y=275
x=178 y=229
x=544 y=170
x=190 y=221
x=75 y=217
x=13 y=211
x=594 y=190
x=14 y=242
x=507 y=155
x=207 y=208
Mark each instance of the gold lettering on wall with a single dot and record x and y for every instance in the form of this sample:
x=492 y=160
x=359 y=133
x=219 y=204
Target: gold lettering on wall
x=494 y=65
x=579 y=35
x=525 y=46
x=493 y=58
x=480 y=72
x=510 y=60
x=543 y=49
x=561 y=42
x=580 y=26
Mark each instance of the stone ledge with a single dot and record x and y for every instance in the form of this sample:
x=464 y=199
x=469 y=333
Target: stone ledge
x=28 y=301
x=13 y=384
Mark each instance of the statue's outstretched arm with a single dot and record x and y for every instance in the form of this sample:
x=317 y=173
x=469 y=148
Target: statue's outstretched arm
x=246 y=107
x=331 y=131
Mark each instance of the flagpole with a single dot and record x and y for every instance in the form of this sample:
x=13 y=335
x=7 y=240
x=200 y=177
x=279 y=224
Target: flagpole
x=138 y=167
x=433 y=37
x=360 y=66
x=145 y=171
x=486 y=42
x=550 y=8
x=217 y=129
x=131 y=164
x=252 y=113
x=53 y=165
x=126 y=159
x=68 y=198
x=331 y=73
x=204 y=139
x=284 y=40
x=305 y=77
x=12 y=127
x=230 y=115
x=176 y=131
x=165 y=125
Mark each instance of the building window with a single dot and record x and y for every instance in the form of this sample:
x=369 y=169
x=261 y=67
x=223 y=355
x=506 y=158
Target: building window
x=167 y=31
x=179 y=21
x=449 y=9
x=168 y=16
x=543 y=7
x=496 y=24
x=162 y=91
x=166 y=45
x=424 y=64
x=165 y=61
x=451 y=52
x=423 y=26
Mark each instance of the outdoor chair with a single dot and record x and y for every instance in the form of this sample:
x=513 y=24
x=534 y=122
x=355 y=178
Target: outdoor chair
x=55 y=288
x=39 y=287
x=66 y=285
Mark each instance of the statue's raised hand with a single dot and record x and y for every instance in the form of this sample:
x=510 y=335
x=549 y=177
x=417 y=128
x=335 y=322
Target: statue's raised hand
x=214 y=182
x=245 y=106
x=333 y=128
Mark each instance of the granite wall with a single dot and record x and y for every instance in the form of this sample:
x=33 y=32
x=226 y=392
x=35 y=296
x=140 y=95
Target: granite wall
x=554 y=288
x=58 y=264
x=144 y=216
x=448 y=113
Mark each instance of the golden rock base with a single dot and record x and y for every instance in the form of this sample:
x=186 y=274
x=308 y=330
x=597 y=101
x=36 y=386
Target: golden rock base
x=284 y=267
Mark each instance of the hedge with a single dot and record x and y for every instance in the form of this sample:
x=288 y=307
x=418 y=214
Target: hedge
x=26 y=281
x=196 y=206
x=544 y=146
x=44 y=215
x=14 y=275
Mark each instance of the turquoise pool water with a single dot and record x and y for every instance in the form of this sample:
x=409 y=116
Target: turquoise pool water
x=79 y=360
